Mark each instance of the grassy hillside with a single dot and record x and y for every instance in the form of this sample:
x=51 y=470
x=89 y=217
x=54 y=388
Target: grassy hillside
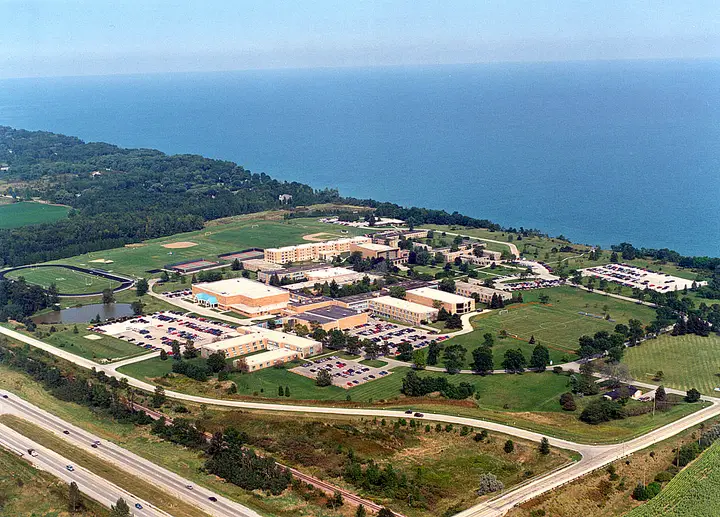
x=21 y=214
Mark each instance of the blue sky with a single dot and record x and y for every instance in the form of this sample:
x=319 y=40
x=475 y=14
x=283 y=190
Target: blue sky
x=81 y=37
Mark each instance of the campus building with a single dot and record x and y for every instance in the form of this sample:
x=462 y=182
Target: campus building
x=312 y=250
x=371 y=250
x=402 y=310
x=485 y=294
x=281 y=348
x=242 y=295
x=453 y=303
x=329 y=317
x=393 y=237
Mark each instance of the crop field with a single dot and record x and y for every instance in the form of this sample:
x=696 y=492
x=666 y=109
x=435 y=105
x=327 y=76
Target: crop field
x=557 y=325
x=214 y=240
x=21 y=214
x=692 y=493
x=66 y=280
x=688 y=361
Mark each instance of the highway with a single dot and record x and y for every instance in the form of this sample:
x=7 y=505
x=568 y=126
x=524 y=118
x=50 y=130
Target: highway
x=592 y=456
x=93 y=486
x=128 y=461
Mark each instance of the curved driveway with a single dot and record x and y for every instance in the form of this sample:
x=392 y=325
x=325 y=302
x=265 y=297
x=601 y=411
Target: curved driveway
x=593 y=456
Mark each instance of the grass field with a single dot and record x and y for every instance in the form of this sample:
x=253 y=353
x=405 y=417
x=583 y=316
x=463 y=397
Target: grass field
x=28 y=492
x=66 y=280
x=692 y=493
x=215 y=239
x=105 y=348
x=103 y=468
x=687 y=361
x=556 y=325
x=21 y=214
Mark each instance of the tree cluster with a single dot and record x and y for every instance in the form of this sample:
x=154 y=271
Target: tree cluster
x=415 y=386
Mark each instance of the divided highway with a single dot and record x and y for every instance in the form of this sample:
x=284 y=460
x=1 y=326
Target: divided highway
x=593 y=456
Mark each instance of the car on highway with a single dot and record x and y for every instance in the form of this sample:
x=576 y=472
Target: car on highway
x=5 y=396
x=70 y=468
x=213 y=498
x=138 y=506
x=32 y=452
x=94 y=445
x=65 y=431
x=419 y=415
x=408 y=412
x=189 y=487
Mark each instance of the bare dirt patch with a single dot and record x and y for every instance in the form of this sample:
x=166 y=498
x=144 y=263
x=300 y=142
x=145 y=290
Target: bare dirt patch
x=136 y=245
x=179 y=245
x=317 y=237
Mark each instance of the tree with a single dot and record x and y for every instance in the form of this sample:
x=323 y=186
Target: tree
x=488 y=339
x=617 y=373
x=544 y=447
x=443 y=314
x=692 y=395
x=287 y=391
x=120 y=509
x=635 y=331
x=454 y=358
x=420 y=359
x=482 y=360
x=216 y=361
x=175 y=346
x=281 y=391
x=336 y=501
x=137 y=307
x=74 y=498
x=323 y=378
x=489 y=483
x=158 y=398
x=236 y=266
x=405 y=350
x=163 y=355
x=514 y=361
x=190 y=351
x=142 y=287
x=384 y=512
x=509 y=446
x=360 y=512
x=433 y=352
x=567 y=402
x=540 y=358
x=108 y=296
x=659 y=375
x=447 y=285
x=454 y=322
x=602 y=410
x=544 y=298
x=397 y=292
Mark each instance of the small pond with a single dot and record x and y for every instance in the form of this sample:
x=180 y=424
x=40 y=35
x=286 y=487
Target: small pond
x=86 y=313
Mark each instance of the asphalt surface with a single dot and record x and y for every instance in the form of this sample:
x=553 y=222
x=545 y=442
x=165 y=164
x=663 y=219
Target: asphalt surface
x=132 y=463
x=93 y=486
x=592 y=456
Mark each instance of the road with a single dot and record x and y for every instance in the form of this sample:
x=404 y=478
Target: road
x=90 y=484
x=128 y=461
x=513 y=249
x=592 y=456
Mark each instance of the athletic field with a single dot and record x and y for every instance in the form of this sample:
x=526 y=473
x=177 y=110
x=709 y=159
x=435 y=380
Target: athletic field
x=66 y=280
x=557 y=325
x=21 y=214
x=688 y=361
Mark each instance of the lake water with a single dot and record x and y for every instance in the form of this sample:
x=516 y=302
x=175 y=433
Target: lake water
x=601 y=152
x=85 y=313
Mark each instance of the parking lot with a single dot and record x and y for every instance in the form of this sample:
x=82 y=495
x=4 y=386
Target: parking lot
x=345 y=373
x=391 y=334
x=637 y=277
x=157 y=331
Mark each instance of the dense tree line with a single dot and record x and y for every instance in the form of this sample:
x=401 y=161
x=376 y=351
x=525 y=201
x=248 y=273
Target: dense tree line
x=415 y=386
x=19 y=300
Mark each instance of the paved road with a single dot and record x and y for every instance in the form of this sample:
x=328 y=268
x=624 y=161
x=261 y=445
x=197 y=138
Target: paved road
x=90 y=484
x=513 y=249
x=592 y=456
x=128 y=461
x=613 y=295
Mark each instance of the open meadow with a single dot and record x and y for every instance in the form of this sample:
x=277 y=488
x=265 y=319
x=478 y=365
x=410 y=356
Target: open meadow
x=556 y=325
x=215 y=239
x=688 y=361
x=15 y=215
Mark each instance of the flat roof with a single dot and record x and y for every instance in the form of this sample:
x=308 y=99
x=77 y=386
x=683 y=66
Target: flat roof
x=478 y=288
x=330 y=272
x=375 y=247
x=334 y=312
x=436 y=294
x=224 y=344
x=241 y=286
x=404 y=305
x=282 y=337
x=270 y=355
x=320 y=243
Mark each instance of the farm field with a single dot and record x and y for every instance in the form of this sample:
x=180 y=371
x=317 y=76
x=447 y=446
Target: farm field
x=557 y=325
x=66 y=280
x=26 y=491
x=215 y=239
x=22 y=214
x=692 y=493
x=688 y=361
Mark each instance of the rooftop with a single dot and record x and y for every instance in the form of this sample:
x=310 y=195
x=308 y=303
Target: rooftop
x=436 y=294
x=375 y=247
x=240 y=286
x=270 y=355
x=404 y=305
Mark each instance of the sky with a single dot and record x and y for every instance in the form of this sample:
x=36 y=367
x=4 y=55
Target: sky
x=98 y=37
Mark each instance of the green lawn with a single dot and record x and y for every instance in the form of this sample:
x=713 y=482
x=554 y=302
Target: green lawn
x=375 y=363
x=556 y=325
x=687 y=361
x=66 y=280
x=21 y=214
x=215 y=239
x=106 y=347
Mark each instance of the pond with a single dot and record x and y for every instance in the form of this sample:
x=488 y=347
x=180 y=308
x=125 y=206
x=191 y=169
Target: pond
x=86 y=313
